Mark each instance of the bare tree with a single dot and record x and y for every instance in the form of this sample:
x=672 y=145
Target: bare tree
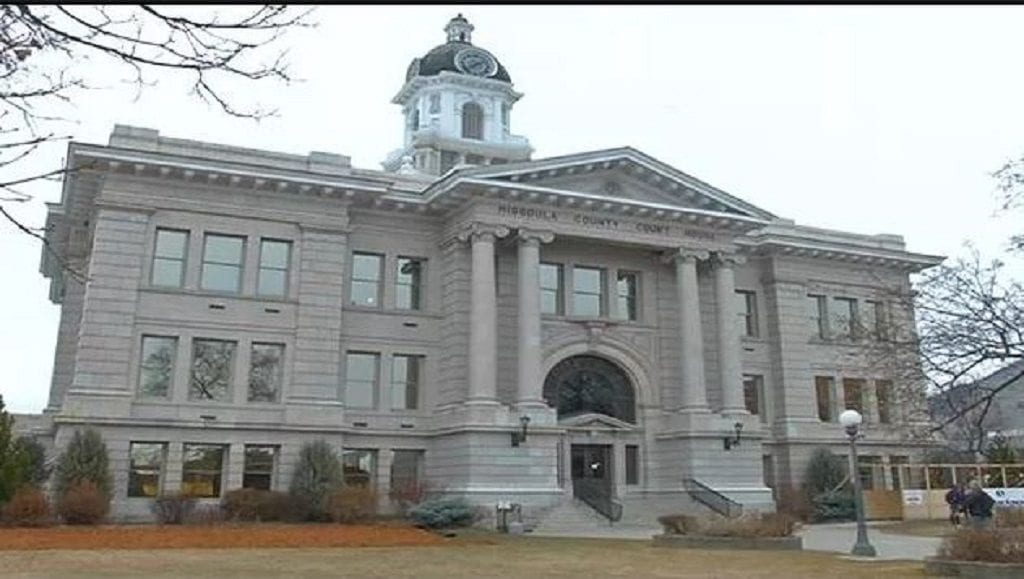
x=1010 y=178
x=43 y=48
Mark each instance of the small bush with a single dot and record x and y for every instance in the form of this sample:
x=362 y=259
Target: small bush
x=1009 y=518
x=84 y=460
x=83 y=504
x=443 y=513
x=794 y=502
x=825 y=471
x=751 y=525
x=679 y=524
x=838 y=506
x=317 y=475
x=353 y=504
x=172 y=508
x=27 y=508
x=255 y=505
x=1005 y=546
x=206 y=514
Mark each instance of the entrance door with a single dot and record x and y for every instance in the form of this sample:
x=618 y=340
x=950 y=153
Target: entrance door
x=591 y=469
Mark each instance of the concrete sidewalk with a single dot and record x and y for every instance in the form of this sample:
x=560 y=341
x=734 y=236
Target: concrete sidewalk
x=840 y=537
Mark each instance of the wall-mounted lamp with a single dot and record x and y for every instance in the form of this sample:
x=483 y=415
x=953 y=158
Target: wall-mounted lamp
x=731 y=441
x=518 y=437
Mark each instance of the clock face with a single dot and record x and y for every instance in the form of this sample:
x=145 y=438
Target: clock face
x=476 y=62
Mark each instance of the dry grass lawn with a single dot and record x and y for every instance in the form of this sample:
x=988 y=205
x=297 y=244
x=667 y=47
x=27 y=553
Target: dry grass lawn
x=474 y=557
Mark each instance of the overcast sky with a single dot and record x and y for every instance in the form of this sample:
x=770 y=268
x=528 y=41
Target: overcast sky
x=866 y=119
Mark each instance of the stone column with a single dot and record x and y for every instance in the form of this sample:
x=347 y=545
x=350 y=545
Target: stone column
x=483 y=314
x=691 y=340
x=729 y=368
x=531 y=382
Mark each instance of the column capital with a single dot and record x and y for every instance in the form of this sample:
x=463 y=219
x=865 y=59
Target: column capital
x=538 y=236
x=728 y=259
x=684 y=254
x=484 y=231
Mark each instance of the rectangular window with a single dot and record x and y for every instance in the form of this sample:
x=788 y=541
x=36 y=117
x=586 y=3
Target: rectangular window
x=169 y=257
x=819 y=316
x=360 y=380
x=853 y=394
x=359 y=467
x=898 y=471
x=212 y=363
x=202 y=470
x=222 y=263
x=275 y=257
x=869 y=468
x=823 y=391
x=883 y=397
x=746 y=310
x=844 y=318
x=408 y=283
x=587 y=292
x=366 y=268
x=874 y=320
x=156 y=370
x=632 y=464
x=406 y=476
x=626 y=290
x=258 y=472
x=405 y=382
x=551 y=288
x=753 y=395
x=265 y=370
x=147 y=464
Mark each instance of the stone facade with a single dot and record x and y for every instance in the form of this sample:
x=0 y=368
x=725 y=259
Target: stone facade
x=693 y=352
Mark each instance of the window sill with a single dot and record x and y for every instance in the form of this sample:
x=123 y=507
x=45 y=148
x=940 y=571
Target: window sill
x=391 y=311
x=593 y=320
x=216 y=295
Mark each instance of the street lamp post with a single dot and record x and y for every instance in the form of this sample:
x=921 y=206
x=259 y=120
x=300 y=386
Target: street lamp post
x=851 y=419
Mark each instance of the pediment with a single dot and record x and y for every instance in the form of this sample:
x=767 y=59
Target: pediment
x=621 y=175
x=594 y=420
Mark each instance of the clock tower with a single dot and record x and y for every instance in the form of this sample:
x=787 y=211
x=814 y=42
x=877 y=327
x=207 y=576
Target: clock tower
x=457 y=102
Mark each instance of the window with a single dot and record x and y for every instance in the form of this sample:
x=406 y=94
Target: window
x=405 y=382
x=874 y=320
x=202 y=470
x=897 y=468
x=406 y=473
x=504 y=116
x=853 y=394
x=222 y=263
x=883 y=398
x=869 y=468
x=819 y=316
x=632 y=464
x=169 y=258
x=366 y=280
x=746 y=309
x=823 y=391
x=753 y=395
x=147 y=463
x=274 y=258
x=212 y=361
x=414 y=120
x=156 y=371
x=448 y=160
x=551 y=288
x=435 y=103
x=258 y=472
x=472 y=121
x=408 y=283
x=625 y=290
x=360 y=380
x=265 y=365
x=844 y=318
x=358 y=467
x=587 y=291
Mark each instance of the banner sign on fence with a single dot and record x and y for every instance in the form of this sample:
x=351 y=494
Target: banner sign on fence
x=1007 y=497
x=913 y=497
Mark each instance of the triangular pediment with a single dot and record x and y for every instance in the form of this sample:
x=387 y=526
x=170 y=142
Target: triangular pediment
x=619 y=175
x=594 y=420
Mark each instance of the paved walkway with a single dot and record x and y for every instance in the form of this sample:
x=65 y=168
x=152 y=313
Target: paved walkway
x=836 y=537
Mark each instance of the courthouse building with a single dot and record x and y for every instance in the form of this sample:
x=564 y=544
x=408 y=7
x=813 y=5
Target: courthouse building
x=599 y=325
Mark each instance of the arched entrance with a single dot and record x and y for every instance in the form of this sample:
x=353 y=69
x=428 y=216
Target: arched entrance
x=596 y=403
x=590 y=384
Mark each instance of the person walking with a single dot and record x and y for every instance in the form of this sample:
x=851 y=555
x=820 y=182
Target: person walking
x=955 y=499
x=978 y=505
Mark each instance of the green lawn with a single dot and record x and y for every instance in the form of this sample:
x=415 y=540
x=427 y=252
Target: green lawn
x=466 y=557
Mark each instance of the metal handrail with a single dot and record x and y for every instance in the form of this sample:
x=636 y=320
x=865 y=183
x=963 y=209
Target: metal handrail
x=711 y=498
x=598 y=497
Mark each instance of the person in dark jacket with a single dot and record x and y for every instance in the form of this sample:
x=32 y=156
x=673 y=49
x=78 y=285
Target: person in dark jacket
x=978 y=505
x=955 y=499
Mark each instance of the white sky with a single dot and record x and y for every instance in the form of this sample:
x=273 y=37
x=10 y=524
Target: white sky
x=868 y=119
